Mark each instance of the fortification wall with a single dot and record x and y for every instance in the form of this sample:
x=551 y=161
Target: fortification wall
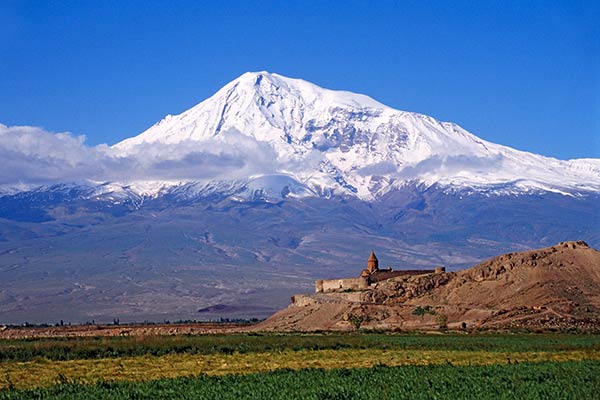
x=333 y=285
x=301 y=300
x=338 y=285
x=383 y=275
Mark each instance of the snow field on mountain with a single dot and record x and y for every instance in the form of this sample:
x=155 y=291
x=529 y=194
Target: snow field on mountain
x=266 y=135
x=352 y=145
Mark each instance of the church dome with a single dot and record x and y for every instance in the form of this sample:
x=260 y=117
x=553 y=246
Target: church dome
x=373 y=262
x=373 y=257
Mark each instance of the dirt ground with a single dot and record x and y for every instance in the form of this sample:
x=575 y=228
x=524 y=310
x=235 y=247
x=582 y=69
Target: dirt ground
x=121 y=330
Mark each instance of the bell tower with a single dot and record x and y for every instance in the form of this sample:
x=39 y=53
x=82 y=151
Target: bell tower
x=373 y=263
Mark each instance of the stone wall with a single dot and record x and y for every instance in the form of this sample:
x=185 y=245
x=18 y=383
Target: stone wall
x=301 y=300
x=335 y=285
x=384 y=275
x=362 y=283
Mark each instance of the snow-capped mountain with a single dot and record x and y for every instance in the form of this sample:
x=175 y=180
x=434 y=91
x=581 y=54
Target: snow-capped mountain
x=343 y=143
x=248 y=197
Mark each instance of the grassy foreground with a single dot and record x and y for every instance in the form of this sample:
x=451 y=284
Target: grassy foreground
x=116 y=347
x=51 y=365
x=43 y=372
x=565 y=380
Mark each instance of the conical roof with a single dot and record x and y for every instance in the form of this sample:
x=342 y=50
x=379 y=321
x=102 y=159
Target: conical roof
x=373 y=257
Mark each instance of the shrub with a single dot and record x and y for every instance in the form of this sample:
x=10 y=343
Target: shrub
x=442 y=321
x=356 y=320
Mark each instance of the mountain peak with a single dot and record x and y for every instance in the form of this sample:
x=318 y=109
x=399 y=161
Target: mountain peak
x=329 y=140
x=267 y=83
x=251 y=79
x=262 y=102
x=256 y=77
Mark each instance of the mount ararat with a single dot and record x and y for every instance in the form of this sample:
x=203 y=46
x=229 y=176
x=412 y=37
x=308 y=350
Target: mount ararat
x=332 y=142
x=247 y=197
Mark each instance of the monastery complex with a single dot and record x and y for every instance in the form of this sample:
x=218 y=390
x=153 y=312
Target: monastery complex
x=368 y=276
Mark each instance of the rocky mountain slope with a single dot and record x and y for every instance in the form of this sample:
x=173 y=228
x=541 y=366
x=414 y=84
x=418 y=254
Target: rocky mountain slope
x=551 y=288
x=63 y=257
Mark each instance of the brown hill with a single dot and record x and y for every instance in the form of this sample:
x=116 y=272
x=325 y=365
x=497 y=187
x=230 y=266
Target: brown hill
x=552 y=288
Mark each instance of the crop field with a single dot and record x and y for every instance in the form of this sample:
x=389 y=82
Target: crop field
x=320 y=366
x=570 y=380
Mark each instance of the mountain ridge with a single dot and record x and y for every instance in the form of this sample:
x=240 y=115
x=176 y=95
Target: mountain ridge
x=171 y=228
x=356 y=145
x=298 y=139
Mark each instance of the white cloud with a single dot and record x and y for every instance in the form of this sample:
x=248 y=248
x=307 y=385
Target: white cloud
x=34 y=156
x=452 y=165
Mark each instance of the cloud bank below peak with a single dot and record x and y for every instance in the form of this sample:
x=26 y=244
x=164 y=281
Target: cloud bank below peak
x=33 y=156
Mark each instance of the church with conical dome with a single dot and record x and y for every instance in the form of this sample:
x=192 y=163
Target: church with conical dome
x=368 y=276
x=372 y=262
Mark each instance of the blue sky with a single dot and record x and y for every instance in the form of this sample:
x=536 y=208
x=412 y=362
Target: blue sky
x=524 y=74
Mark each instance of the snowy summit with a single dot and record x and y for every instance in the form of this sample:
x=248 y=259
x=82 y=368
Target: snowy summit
x=344 y=143
x=265 y=136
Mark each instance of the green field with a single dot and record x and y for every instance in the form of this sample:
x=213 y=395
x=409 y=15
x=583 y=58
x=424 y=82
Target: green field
x=569 y=380
x=319 y=366
x=104 y=347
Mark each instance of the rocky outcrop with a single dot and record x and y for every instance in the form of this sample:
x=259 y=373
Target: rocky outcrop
x=551 y=288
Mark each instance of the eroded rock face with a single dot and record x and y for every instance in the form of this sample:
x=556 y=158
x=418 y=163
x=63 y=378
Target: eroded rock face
x=398 y=290
x=551 y=288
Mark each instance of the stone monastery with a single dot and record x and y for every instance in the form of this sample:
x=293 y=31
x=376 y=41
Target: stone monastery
x=372 y=274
